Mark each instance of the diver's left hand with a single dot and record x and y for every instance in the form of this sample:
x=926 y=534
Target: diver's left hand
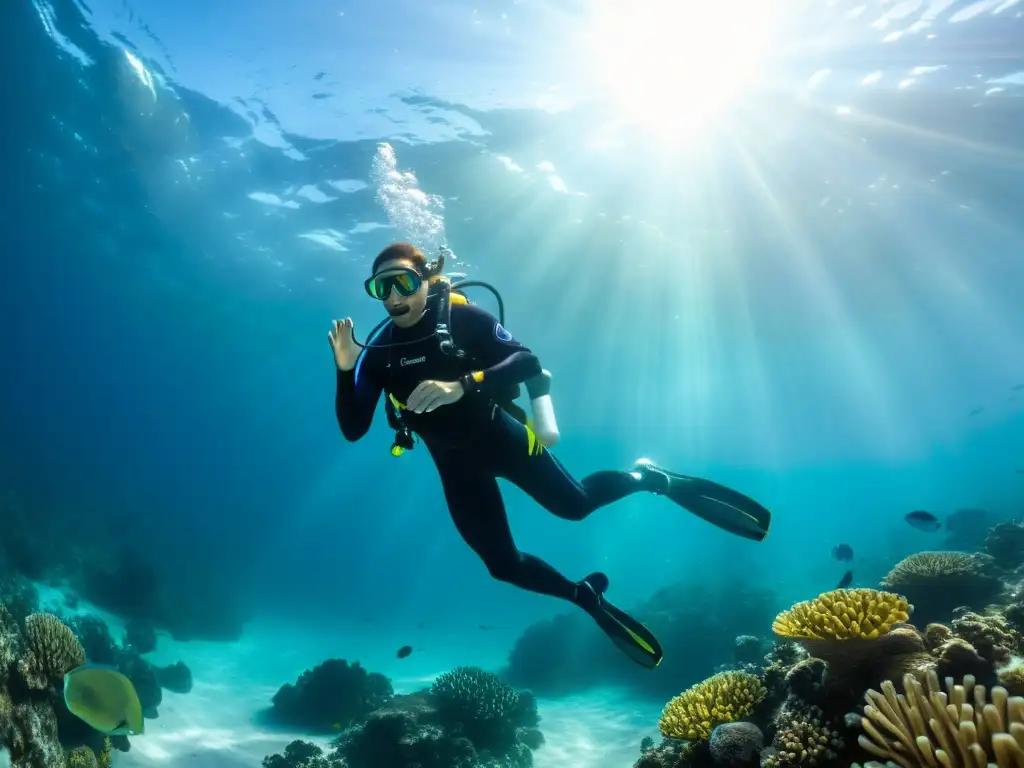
x=433 y=394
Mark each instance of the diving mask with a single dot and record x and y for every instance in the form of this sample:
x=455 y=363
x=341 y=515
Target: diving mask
x=405 y=281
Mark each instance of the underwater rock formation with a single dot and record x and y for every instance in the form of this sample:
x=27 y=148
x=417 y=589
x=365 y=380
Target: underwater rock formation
x=467 y=719
x=96 y=640
x=695 y=625
x=143 y=677
x=1005 y=543
x=331 y=695
x=966 y=529
x=936 y=583
x=130 y=587
x=139 y=637
x=175 y=677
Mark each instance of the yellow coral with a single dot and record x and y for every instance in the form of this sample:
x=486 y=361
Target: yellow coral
x=722 y=698
x=82 y=757
x=842 y=614
x=926 y=727
x=104 y=758
x=51 y=650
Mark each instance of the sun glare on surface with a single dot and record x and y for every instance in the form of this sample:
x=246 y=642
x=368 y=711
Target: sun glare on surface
x=672 y=67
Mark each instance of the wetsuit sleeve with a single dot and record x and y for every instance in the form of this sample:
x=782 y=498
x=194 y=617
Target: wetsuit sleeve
x=356 y=399
x=504 y=361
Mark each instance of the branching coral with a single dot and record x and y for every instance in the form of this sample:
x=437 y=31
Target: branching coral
x=469 y=695
x=925 y=727
x=938 y=582
x=722 y=698
x=331 y=694
x=50 y=651
x=804 y=737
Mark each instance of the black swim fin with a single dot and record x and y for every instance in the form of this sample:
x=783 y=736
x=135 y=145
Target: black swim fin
x=632 y=637
x=730 y=510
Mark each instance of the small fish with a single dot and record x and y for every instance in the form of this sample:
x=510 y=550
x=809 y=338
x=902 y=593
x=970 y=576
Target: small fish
x=846 y=581
x=1017 y=388
x=486 y=627
x=976 y=411
x=843 y=552
x=105 y=699
x=404 y=651
x=923 y=521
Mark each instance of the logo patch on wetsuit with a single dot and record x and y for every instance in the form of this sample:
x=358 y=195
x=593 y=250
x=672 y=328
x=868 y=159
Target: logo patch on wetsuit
x=412 y=361
x=501 y=334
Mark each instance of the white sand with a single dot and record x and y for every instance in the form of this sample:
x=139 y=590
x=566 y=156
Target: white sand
x=215 y=725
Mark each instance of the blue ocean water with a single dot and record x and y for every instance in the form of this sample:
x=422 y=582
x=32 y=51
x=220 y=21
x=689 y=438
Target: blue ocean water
x=787 y=263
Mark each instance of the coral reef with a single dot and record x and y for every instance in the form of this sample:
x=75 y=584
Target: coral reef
x=477 y=705
x=991 y=635
x=467 y=719
x=35 y=725
x=803 y=736
x=331 y=695
x=49 y=650
x=722 y=698
x=961 y=727
x=736 y=745
x=1012 y=679
x=938 y=582
x=300 y=754
x=860 y=634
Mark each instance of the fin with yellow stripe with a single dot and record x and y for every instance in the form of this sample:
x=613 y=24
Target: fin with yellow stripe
x=633 y=638
x=730 y=510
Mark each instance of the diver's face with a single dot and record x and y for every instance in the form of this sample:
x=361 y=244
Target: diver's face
x=404 y=311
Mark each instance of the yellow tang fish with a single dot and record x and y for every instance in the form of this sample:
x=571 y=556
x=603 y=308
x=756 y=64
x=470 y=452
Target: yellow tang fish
x=105 y=699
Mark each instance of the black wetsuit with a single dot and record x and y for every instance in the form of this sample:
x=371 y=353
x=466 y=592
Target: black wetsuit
x=474 y=441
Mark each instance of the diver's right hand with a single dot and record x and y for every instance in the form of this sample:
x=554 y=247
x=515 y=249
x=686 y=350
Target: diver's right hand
x=343 y=344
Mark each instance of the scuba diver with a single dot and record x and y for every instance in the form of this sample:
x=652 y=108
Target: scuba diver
x=451 y=372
